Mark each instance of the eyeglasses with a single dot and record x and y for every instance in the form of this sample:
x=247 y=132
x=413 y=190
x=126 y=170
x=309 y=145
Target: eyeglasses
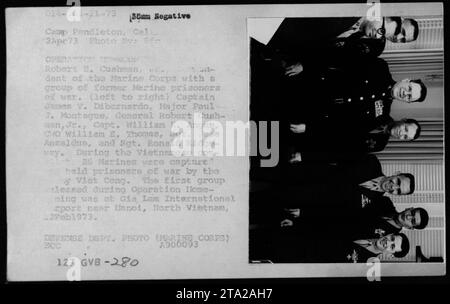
x=382 y=30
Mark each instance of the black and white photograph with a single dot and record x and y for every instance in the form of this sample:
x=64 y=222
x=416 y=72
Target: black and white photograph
x=360 y=178
x=154 y=142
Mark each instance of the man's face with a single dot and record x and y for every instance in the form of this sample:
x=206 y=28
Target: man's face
x=390 y=243
x=395 y=29
x=396 y=184
x=409 y=218
x=406 y=91
x=404 y=131
x=392 y=27
x=404 y=33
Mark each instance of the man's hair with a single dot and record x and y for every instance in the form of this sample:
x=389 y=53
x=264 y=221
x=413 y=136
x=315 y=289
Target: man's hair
x=412 y=182
x=413 y=122
x=416 y=27
x=397 y=19
x=404 y=248
x=423 y=90
x=423 y=218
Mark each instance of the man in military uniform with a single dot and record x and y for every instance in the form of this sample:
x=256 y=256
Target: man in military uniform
x=359 y=90
x=311 y=39
x=345 y=108
x=333 y=235
x=360 y=250
x=338 y=142
x=350 y=189
x=383 y=222
x=375 y=215
x=316 y=42
x=307 y=222
x=323 y=241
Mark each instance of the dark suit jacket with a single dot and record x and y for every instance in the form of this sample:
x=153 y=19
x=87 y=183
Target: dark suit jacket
x=377 y=225
x=336 y=192
x=370 y=216
x=332 y=216
x=351 y=175
x=320 y=239
x=344 y=93
x=311 y=38
x=365 y=203
x=376 y=142
x=311 y=242
x=351 y=253
x=340 y=106
x=361 y=170
x=319 y=148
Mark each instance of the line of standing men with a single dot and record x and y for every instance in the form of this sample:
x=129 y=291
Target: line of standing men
x=332 y=96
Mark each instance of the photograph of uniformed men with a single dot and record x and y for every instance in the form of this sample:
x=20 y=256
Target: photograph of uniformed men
x=359 y=103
